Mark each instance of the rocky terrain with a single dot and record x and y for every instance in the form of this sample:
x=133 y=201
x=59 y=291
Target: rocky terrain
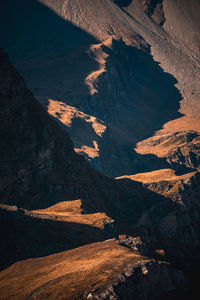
x=99 y=157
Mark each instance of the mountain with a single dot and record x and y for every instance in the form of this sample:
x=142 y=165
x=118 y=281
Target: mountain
x=100 y=153
x=136 y=216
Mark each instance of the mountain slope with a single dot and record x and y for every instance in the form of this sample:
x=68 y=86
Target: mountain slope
x=38 y=164
x=100 y=52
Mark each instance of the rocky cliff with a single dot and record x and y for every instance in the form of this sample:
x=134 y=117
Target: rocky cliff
x=38 y=164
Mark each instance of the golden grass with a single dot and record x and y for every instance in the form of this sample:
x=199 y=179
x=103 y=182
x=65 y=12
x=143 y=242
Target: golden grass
x=91 y=152
x=71 y=211
x=8 y=207
x=161 y=145
x=185 y=123
x=170 y=183
x=100 y=57
x=66 y=113
x=156 y=176
x=68 y=274
x=190 y=121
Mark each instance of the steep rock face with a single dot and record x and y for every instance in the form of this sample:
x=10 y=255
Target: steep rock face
x=38 y=164
x=40 y=168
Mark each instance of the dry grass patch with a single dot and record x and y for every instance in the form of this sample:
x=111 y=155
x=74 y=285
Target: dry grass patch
x=71 y=211
x=156 y=176
x=66 y=275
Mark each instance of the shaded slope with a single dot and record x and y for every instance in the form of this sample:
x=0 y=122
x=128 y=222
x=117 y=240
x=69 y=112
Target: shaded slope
x=169 y=47
x=47 y=43
x=44 y=26
x=131 y=96
x=38 y=164
x=26 y=234
x=170 y=50
x=110 y=80
x=39 y=167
